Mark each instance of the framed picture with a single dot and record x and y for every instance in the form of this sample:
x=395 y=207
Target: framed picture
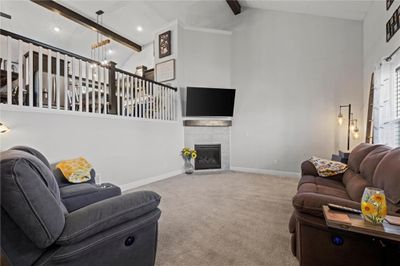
x=389 y=4
x=393 y=25
x=165 y=71
x=164 y=44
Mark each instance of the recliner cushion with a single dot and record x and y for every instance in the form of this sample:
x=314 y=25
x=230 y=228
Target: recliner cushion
x=34 y=152
x=358 y=154
x=31 y=197
x=387 y=176
x=324 y=181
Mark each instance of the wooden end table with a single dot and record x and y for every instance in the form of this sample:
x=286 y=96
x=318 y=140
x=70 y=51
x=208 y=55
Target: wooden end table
x=358 y=225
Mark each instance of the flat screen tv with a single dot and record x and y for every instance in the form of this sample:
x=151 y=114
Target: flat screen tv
x=209 y=101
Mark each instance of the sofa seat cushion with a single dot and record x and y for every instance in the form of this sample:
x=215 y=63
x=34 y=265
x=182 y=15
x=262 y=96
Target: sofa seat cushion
x=311 y=197
x=80 y=195
x=324 y=190
x=323 y=181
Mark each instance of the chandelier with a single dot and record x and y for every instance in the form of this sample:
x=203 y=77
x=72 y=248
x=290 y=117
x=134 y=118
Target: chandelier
x=99 y=48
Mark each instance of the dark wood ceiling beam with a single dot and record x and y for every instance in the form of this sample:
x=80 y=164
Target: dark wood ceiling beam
x=235 y=6
x=84 y=21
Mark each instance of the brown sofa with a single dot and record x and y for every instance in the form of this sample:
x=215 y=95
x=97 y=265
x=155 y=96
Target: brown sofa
x=313 y=243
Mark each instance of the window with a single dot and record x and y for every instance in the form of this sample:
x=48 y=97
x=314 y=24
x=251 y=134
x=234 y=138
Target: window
x=397 y=106
x=386 y=112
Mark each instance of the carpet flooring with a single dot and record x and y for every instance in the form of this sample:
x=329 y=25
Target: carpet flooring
x=226 y=218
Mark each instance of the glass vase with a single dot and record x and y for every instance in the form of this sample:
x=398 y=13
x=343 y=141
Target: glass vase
x=373 y=205
x=189 y=169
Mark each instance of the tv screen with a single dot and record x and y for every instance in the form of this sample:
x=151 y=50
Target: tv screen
x=209 y=101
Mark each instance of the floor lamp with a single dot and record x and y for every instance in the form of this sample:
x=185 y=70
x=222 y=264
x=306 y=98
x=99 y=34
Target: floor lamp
x=351 y=123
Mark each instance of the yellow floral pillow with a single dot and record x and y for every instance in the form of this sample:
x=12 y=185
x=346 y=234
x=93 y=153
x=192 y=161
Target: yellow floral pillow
x=75 y=170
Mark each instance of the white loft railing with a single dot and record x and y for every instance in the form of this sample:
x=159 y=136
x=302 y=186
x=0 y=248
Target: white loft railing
x=36 y=75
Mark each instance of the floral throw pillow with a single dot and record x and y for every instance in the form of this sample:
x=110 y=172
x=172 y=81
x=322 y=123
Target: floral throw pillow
x=75 y=170
x=327 y=167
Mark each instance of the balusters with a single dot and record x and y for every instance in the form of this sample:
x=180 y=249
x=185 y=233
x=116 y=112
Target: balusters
x=132 y=97
x=76 y=79
x=99 y=79
x=40 y=87
x=9 y=76
x=123 y=94
x=80 y=85
x=49 y=87
x=73 y=82
x=151 y=101
x=105 y=79
x=58 y=85
x=66 y=82
x=30 y=75
x=93 y=67
x=87 y=87
x=136 y=97
x=20 y=74
x=118 y=94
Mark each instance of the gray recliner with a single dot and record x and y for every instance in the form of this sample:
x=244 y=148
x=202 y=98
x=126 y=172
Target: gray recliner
x=37 y=229
x=76 y=196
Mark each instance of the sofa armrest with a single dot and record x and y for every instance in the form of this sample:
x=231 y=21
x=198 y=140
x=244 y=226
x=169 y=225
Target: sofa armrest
x=311 y=203
x=106 y=214
x=308 y=168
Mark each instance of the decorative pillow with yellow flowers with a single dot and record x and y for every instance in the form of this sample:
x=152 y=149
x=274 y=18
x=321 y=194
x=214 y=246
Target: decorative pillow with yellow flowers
x=327 y=167
x=75 y=170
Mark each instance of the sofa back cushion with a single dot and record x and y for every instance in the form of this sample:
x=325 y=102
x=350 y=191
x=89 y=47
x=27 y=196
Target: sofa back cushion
x=358 y=154
x=355 y=184
x=371 y=161
x=387 y=176
x=31 y=197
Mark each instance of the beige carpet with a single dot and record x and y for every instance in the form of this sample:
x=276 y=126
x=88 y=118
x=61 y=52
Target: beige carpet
x=227 y=218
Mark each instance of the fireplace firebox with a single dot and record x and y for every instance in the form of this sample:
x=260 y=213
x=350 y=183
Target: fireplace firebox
x=208 y=156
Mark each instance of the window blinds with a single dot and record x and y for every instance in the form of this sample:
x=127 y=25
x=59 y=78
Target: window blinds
x=386 y=109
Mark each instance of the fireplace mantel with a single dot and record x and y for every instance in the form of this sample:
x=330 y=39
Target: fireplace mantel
x=207 y=123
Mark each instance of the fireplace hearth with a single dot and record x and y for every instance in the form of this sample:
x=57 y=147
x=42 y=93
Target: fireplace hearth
x=208 y=156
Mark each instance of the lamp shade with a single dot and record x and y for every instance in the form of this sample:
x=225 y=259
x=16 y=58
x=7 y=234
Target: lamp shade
x=3 y=128
x=340 y=119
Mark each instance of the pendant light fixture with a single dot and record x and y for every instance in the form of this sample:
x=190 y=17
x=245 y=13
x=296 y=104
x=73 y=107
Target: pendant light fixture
x=99 y=48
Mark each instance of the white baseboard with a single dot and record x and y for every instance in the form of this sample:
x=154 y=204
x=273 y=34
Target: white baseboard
x=149 y=180
x=266 y=172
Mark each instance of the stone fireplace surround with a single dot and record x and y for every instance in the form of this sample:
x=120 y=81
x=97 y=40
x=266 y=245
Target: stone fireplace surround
x=210 y=131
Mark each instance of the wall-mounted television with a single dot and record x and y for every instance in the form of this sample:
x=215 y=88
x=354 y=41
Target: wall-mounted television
x=209 y=101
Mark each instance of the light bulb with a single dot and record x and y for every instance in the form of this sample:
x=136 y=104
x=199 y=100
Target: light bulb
x=356 y=133
x=352 y=125
x=340 y=119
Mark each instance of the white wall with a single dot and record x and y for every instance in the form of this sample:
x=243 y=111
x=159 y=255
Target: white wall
x=375 y=46
x=122 y=150
x=145 y=57
x=292 y=72
x=207 y=58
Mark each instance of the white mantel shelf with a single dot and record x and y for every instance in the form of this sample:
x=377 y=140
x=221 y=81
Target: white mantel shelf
x=207 y=123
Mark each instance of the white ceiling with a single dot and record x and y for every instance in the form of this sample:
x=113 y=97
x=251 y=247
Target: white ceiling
x=344 y=9
x=123 y=17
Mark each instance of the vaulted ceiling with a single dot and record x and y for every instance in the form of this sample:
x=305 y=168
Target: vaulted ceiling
x=124 y=17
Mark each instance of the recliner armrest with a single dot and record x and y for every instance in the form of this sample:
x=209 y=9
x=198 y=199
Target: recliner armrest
x=308 y=168
x=105 y=214
x=311 y=203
